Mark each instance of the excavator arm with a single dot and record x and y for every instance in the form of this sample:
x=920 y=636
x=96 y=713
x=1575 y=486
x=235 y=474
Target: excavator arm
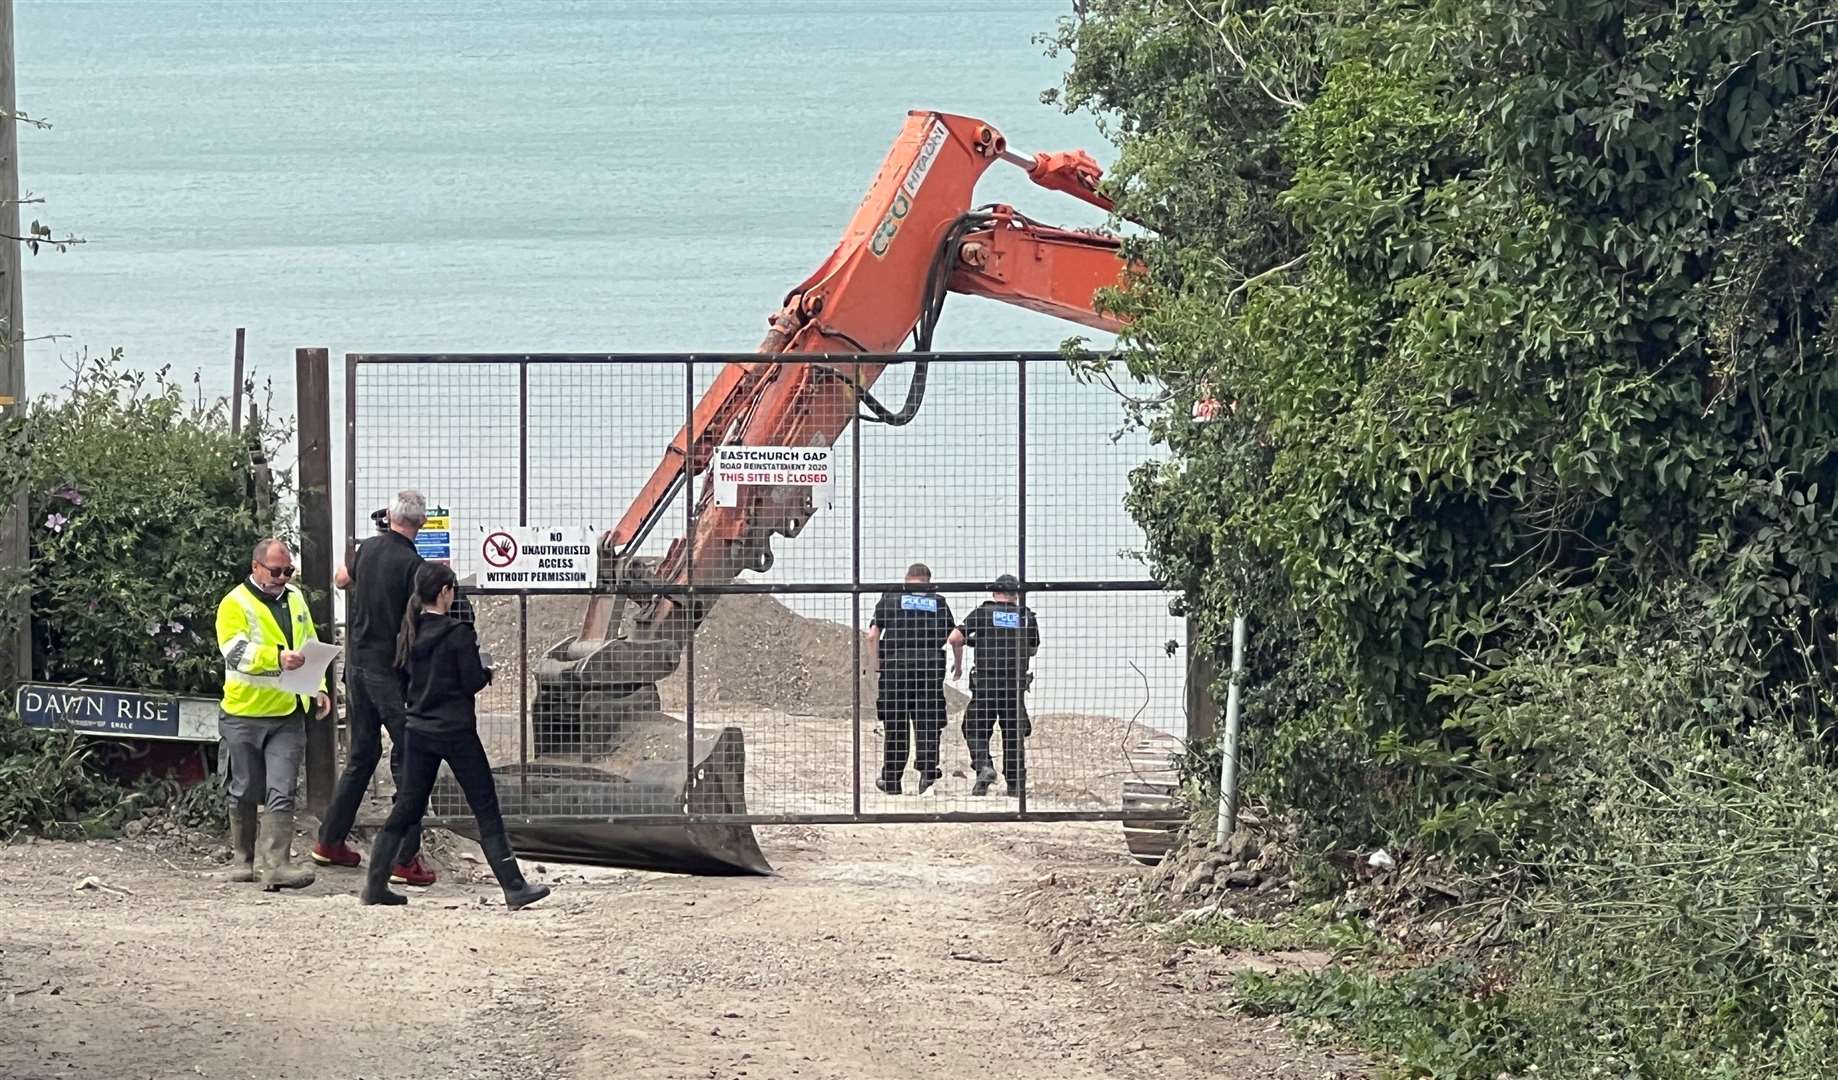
x=913 y=239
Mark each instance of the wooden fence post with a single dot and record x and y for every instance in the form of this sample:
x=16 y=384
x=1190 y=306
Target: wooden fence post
x=312 y=376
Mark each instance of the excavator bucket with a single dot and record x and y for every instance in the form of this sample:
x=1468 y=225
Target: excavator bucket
x=605 y=754
x=561 y=811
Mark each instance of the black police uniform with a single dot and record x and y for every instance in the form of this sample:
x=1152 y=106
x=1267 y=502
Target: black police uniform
x=914 y=628
x=1005 y=637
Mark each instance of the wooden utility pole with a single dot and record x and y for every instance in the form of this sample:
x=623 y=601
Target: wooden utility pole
x=313 y=385
x=1202 y=710
x=236 y=386
x=16 y=625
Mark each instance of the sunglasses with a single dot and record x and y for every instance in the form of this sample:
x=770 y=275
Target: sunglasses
x=278 y=571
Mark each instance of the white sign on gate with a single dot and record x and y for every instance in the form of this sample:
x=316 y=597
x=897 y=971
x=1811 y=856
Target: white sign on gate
x=777 y=466
x=532 y=557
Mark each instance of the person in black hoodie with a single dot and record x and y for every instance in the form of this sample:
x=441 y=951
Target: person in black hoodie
x=445 y=671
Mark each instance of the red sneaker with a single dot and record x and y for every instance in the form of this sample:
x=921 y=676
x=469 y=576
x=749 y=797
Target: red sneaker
x=339 y=854
x=414 y=873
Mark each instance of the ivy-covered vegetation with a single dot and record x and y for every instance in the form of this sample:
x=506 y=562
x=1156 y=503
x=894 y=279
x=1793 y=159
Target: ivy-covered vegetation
x=1518 y=315
x=141 y=515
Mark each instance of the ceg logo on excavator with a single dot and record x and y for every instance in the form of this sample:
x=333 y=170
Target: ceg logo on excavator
x=909 y=190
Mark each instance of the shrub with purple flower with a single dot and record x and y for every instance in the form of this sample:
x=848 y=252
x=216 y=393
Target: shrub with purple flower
x=140 y=524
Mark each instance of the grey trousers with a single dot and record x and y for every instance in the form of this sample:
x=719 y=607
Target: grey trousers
x=265 y=756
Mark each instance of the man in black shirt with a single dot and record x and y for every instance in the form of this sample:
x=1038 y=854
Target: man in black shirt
x=1005 y=636
x=906 y=640
x=381 y=579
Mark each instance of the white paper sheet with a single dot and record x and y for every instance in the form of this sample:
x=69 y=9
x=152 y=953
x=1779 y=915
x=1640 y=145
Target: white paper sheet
x=305 y=679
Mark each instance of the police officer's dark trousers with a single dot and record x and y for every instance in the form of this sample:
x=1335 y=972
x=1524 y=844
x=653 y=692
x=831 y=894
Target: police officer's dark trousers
x=910 y=704
x=992 y=707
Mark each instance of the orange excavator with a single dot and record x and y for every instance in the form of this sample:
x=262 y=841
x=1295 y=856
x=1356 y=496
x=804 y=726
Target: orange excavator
x=605 y=751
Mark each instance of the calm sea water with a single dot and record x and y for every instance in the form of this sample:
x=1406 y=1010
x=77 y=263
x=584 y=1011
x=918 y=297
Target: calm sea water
x=547 y=176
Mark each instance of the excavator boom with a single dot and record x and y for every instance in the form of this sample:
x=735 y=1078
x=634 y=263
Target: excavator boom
x=914 y=238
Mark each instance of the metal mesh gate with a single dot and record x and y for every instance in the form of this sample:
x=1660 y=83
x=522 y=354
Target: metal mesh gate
x=1007 y=466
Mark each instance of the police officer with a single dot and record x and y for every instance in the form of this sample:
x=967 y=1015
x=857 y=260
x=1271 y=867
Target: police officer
x=906 y=640
x=1005 y=636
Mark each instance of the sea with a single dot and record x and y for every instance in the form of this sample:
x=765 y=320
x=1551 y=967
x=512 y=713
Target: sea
x=591 y=176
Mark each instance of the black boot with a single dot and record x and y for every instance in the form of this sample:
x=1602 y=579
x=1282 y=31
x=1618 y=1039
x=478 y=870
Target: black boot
x=925 y=757
x=985 y=774
x=518 y=893
x=376 y=875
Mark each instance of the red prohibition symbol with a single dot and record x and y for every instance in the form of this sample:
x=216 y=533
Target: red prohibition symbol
x=500 y=549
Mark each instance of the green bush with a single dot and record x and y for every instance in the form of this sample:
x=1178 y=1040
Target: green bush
x=1431 y=1022
x=48 y=785
x=1677 y=920
x=1687 y=921
x=1501 y=296
x=141 y=518
x=141 y=515
x=1524 y=318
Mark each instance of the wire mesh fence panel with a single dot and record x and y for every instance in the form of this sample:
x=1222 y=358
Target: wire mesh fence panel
x=1115 y=666
x=781 y=680
x=1081 y=452
x=499 y=706
x=597 y=729
x=451 y=432
x=776 y=500
x=689 y=570
x=944 y=489
x=596 y=433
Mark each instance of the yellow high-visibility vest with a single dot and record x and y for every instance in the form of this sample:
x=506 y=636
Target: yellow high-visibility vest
x=251 y=642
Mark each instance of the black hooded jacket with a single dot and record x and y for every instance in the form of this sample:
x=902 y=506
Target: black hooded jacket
x=444 y=674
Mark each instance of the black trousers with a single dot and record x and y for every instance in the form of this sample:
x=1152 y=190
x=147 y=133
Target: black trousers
x=465 y=755
x=992 y=707
x=910 y=705
x=374 y=701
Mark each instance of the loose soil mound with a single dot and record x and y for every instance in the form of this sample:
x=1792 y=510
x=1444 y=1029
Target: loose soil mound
x=751 y=651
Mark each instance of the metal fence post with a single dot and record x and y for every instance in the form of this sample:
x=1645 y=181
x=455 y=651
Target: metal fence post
x=342 y=733
x=689 y=563
x=15 y=533
x=855 y=590
x=1020 y=748
x=523 y=598
x=1228 y=763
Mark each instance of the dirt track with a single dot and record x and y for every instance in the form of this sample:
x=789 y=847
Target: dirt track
x=879 y=952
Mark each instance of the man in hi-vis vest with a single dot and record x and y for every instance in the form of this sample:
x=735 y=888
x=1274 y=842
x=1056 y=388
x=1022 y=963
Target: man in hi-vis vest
x=262 y=625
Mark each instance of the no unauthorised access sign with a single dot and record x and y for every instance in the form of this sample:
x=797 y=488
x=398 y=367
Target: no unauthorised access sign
x=532 y=557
